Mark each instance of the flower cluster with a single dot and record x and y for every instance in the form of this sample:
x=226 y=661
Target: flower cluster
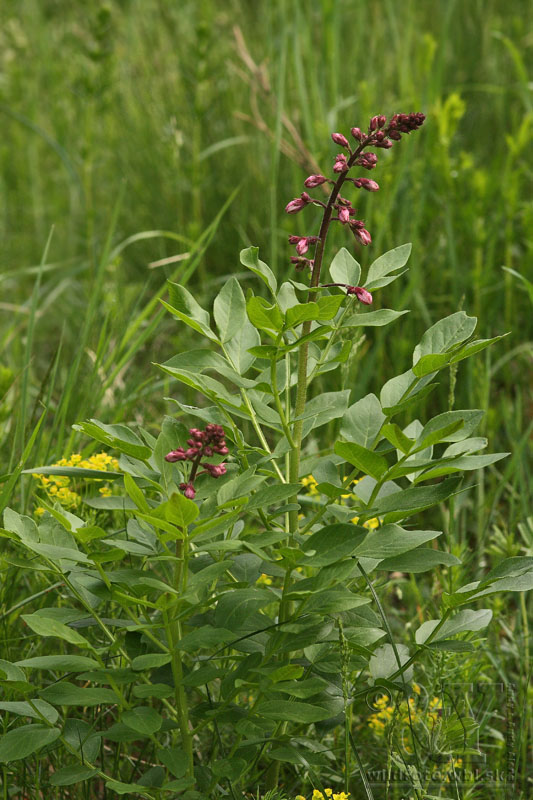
x=381 y=133
x=202 y=444
x=406 y=712
x=63 y=489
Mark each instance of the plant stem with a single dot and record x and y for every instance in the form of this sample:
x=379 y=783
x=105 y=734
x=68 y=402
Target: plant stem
x=303 y=351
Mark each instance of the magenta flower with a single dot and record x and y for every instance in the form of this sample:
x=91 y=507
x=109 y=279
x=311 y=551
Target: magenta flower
x=188 y=490
x=297 y=204
x=362 y=295
x=339 y=139
x=358 y=134
x=314 y=180
x=362 y=235
x=366 y=183
x=367 y=160
x=341 y=164
x=344 y=215
x=202 y=444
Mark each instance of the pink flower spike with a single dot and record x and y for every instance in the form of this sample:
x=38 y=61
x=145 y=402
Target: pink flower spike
x=339 y=139
x=362 y=295
x=314 y=180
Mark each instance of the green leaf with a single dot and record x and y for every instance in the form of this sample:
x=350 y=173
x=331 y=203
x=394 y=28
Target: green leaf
x=420 y=560
x=180 y=510
x=229 y=768
x=46 y=626
x=444 y=335
x=239 y=346
x=136 y=494
x=151 y=661
x=329 y=305
x=383 y=663
x=442 y=425
x=66 y=663
x=36 y=709
x=229 y=310
x=392 y=540
x=21 y=742
x=205 y=637
x=127 y=788
x=302 y=689
x=175 y=761
x=250 y=259
x=345 y=269
x=10 y=672
x=117 y=436
x=462 y=463
x=466 y=620
x=292 y=711
x=431 y=363
x=183 y=306
x=474 y=347
x=76 y=773
x=374 y=319
x=74 y=472
x=67 y=694
x=406 y=502
x=332 y=543
x=270 y=495
x=365 y=460
x=264 y=316
x=234 y=608
x=324 y=407
x=142 y=719
x=301 y=313
x=361 y=422
x=385 y=268
x=394 y=434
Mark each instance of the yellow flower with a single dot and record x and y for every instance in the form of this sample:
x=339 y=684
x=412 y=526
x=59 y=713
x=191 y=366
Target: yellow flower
x=299 y=797
x=105 y=491
x=310 y=484
x=341 y=796
x=264 y=580
x=329 y=792
x=39 y=511
x=317 y=795
x=370 y=524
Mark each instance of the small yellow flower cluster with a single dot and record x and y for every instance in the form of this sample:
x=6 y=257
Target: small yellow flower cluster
x=264 y=580
x=310 y=484
x=406 y=712
x=329 y=793
x=61 y=489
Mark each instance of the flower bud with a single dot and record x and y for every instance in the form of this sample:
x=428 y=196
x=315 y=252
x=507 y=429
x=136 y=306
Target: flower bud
x=374 y=123
x=386 y=144
x=367 y=160
x=358 y=134
x=176 y=455
x=366 y=183
x=298 y=203
x=382 y=119
x=362 y=235
x=362 y=294
x=396 y=135
x=300 y=263
x=188 y=490
x=302 y=246
x=340 y=165
x=339 y=139
x=344 y=215
x=314 y=180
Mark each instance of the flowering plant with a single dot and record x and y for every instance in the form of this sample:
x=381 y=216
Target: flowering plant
x=233 y=611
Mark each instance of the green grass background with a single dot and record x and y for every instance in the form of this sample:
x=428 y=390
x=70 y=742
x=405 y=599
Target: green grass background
x=133 y=132
x=126 y=128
